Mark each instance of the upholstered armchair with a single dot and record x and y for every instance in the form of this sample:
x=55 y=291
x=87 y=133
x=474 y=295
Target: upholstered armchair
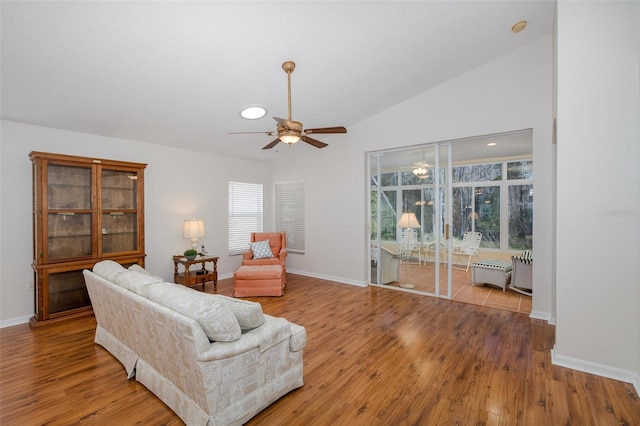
x=277 y=244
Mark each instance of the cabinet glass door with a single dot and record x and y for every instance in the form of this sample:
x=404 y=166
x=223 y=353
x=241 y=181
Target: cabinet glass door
x=69 y=235
x=67 y=291
x=119 y=221
x=69 y=230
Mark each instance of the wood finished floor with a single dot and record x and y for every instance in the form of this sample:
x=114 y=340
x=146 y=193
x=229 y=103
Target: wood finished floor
x=374 y=357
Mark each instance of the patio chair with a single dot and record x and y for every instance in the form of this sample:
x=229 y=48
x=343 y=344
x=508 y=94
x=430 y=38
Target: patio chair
x=469 y=247
x=522 y=272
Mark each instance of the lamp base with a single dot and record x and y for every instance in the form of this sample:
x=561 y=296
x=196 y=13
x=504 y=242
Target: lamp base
x=407 y=285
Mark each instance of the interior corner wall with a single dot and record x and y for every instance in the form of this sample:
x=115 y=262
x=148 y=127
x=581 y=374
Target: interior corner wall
x=179 y=184
x=598 y=188
x=512 y=92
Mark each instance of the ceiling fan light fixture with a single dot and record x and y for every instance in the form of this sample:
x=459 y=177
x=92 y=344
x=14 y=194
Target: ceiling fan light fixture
x=253 y=112
x=421 y=170
x=289 y=138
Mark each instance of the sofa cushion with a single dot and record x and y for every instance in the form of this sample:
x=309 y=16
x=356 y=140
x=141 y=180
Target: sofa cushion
x=261 y=249
x=137 y=282
x=137 y=268
x=249 y=314
x=218 y=322
x=109 y=270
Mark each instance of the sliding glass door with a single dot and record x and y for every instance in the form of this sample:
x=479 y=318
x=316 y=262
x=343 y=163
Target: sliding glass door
x=410 y=219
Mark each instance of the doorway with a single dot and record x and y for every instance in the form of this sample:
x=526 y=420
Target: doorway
x=423 y=198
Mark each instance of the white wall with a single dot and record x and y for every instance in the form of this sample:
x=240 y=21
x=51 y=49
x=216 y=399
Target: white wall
x=510 y=93
x=598 y=189
x=179 y=184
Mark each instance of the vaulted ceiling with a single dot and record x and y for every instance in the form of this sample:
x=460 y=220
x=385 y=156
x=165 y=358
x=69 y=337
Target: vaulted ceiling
x=178 y=73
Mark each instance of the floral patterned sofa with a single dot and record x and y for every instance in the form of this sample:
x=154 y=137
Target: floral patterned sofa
x=213 y=360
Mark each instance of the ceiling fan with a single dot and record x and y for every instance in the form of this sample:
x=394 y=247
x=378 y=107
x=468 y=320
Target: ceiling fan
x=290 y=131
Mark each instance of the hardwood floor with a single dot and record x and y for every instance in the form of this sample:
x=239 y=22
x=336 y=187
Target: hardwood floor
x=374 y=357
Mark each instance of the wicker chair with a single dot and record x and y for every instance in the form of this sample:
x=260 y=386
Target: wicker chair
x=389 y=264
x=521 y=274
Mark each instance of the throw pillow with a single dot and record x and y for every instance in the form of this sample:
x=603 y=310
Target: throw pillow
x=261 y=250
x=217 y=322
x=249 y=314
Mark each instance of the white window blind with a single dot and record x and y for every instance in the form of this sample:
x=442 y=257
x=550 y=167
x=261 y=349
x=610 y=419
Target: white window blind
x=245 y=214
x=290 y=214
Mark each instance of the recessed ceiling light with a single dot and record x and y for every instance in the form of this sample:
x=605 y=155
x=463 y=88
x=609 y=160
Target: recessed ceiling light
x=492 y=144
x=253 y=112
x=519 y=26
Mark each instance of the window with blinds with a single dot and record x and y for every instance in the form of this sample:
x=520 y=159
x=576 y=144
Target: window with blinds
x=290 y=214
x=245 y=214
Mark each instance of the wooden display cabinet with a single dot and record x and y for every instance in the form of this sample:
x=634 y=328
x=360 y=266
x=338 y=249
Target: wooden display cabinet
x=84 y=210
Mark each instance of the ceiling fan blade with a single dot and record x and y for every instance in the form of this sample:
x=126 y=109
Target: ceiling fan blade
x=271 y=144
x=339 y=129
x=314 y=142
x=269 y=132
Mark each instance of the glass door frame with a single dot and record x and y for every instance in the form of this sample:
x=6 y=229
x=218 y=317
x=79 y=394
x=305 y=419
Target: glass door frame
x=442 y=190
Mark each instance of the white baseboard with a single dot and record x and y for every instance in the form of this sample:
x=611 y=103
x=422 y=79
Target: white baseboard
x=597 y=369
x=15 y=321
x=329 y=278
x=312 y=275
x=224 y=276
x=545 y=316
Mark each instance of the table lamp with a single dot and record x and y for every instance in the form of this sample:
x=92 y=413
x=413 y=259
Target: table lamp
x=193 y=229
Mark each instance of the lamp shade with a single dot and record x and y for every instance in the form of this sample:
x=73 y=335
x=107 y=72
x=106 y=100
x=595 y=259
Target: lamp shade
x=193 y=228
x=408 y=220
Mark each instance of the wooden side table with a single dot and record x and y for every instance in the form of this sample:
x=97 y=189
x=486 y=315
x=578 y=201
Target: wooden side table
x=202 y=275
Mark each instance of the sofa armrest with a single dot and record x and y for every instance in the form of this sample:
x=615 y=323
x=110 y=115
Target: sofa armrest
x=223 y=350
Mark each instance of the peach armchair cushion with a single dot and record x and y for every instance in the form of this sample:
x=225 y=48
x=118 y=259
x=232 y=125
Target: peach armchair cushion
x=278 y=244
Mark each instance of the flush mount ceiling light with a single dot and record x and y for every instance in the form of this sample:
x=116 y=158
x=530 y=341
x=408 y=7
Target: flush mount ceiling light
x=492 y=144
x=519 y=26
x=253 y=112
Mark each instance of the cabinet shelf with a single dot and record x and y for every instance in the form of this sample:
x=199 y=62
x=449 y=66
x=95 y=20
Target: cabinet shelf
x=69 y=185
